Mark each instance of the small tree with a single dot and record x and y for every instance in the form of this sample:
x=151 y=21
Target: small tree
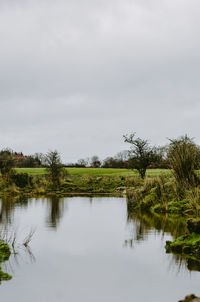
x=141 y=154
x=184 y=157
x=82 y=163
x=6 y=163
x=55 y=168
x=95 y=162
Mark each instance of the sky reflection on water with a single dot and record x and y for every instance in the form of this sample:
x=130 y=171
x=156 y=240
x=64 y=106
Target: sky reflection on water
x=91 y=250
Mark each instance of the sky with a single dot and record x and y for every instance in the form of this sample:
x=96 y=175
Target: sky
x=76 y=75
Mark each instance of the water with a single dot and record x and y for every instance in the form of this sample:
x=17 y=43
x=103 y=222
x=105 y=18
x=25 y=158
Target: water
x=92 y=250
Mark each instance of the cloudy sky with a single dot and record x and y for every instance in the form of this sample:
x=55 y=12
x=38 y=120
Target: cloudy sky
x=76 y=75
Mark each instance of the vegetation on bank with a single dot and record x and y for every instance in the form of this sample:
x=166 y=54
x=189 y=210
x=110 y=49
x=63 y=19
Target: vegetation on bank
x=41 y=185
x=186 y=245
x=73 y=180
x=176 y=194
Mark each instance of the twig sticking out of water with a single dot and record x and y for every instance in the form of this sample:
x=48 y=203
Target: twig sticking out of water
x=10 y=237
x=28 y=238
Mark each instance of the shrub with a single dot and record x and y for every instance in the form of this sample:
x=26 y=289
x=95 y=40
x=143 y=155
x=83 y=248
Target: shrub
x=55 y=168
x=22 y=179
x=142 y=155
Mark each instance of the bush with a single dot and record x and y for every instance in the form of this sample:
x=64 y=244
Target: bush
x=22 y=179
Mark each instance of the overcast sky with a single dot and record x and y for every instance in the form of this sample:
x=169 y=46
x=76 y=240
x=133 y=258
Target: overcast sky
x=76 y=75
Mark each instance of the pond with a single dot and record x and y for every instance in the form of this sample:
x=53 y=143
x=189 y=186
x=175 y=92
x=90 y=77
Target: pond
x=92 y=249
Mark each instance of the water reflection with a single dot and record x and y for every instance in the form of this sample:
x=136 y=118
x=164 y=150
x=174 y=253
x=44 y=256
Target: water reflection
x=87 y=257
x=56 y=209
x=163 y=223
x=143 y=224
x=20 y=255
x=7 y=206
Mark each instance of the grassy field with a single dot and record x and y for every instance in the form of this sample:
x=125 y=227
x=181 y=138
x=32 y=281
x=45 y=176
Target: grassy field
x=96 y=171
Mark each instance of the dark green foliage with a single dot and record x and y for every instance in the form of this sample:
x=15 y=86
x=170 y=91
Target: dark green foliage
x=193 y=225
x=4 y=252
x=30 y=161
x=4 y=256
x=6 y=163
x=141 y=154
x=174 y=207
x=185 y=245
x=22 y=180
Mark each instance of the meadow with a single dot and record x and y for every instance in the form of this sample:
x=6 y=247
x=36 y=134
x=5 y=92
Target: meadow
x=97 y=171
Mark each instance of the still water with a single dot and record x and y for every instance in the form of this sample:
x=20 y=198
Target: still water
x=92 y=249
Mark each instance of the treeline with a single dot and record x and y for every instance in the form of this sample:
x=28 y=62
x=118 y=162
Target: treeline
x=9 y=160
x=140 y=156
x=123 y=160
x=19 y=160
x=181 y=155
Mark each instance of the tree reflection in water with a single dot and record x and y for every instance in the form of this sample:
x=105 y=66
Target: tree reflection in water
x=7 y=206
x=144 y=223
x=56 y=209
x=19 y=252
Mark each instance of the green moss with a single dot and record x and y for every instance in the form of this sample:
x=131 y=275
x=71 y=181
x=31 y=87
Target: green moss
x=188 y=245
x=4 y=256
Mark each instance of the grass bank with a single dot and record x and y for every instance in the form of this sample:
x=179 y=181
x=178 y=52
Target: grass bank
x=163 y=195
x=78 y=180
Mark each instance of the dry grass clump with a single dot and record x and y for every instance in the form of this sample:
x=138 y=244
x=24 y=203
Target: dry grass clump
x=184 y=155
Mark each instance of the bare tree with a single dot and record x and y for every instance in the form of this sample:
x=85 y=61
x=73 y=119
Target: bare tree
x=95 y=162
x=141 y=153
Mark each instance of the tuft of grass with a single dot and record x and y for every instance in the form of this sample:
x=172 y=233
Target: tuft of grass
x=183 y=156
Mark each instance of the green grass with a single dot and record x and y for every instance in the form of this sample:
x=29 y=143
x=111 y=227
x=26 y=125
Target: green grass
x=96 y=171
x=32 y=171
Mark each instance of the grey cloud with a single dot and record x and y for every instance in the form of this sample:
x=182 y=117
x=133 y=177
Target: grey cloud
x=76 y=75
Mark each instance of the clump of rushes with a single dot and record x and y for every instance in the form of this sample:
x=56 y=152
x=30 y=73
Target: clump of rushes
x=184 y=155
